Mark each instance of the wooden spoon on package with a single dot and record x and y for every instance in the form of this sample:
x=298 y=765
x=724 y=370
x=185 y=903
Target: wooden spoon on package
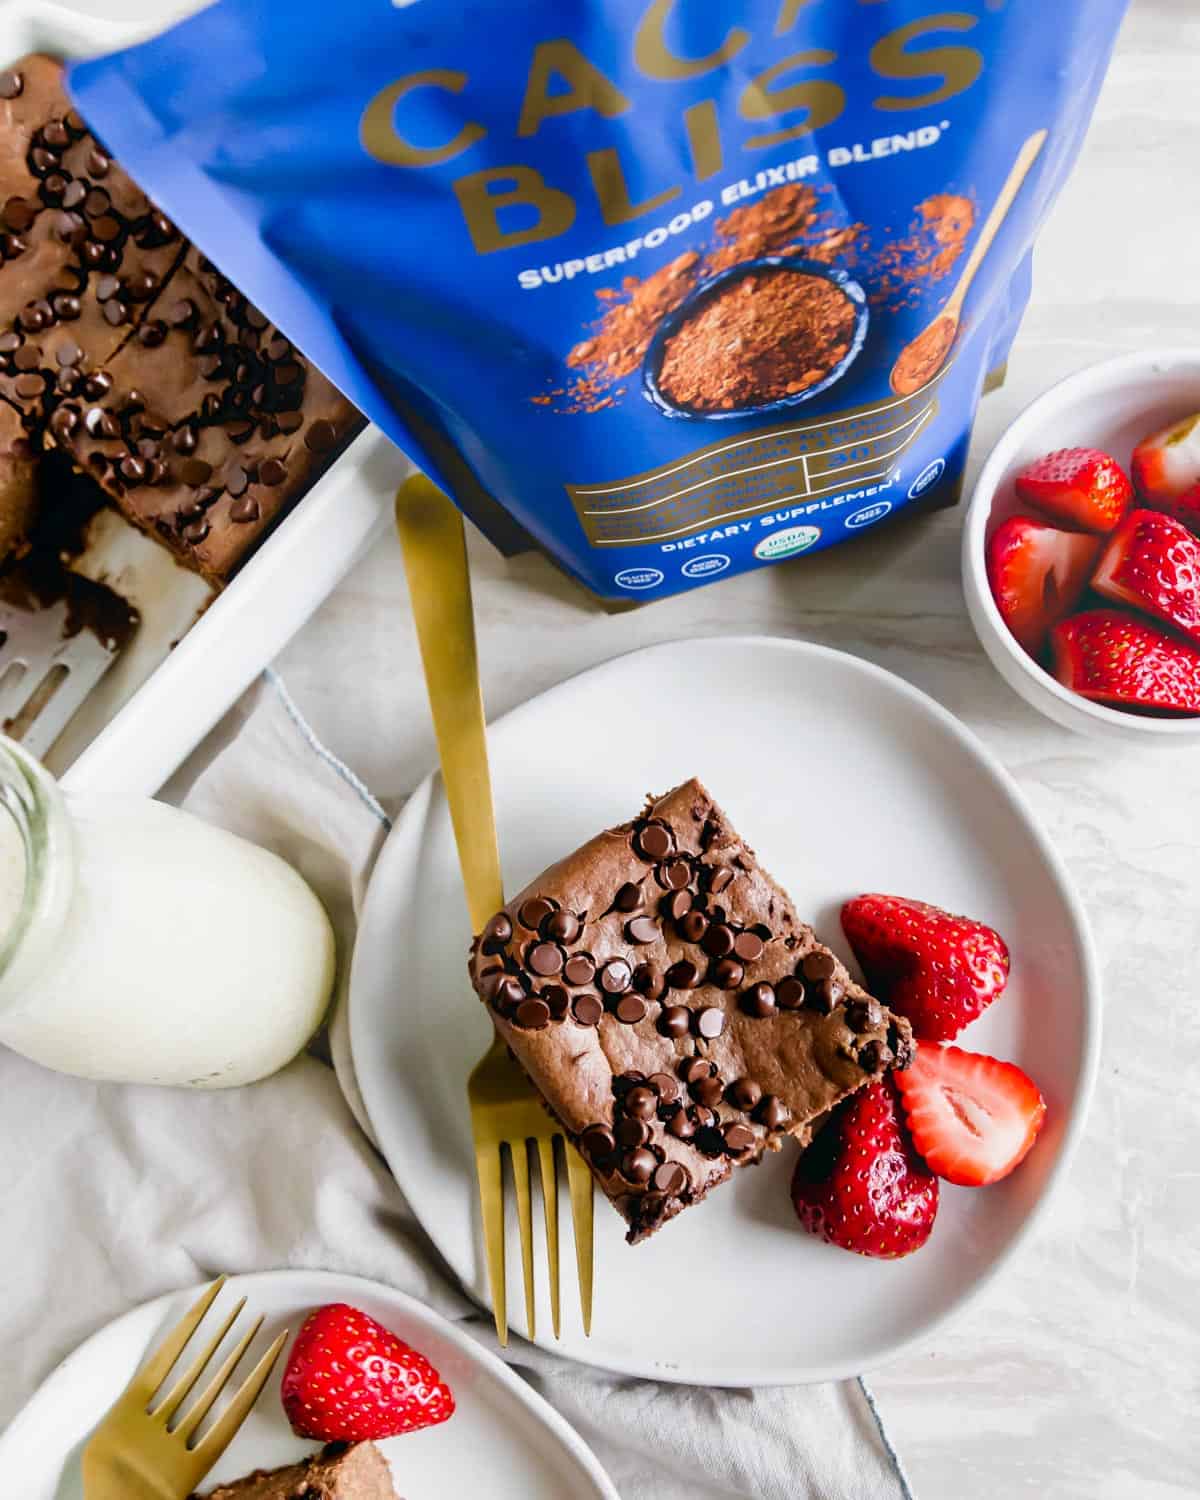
x=920 y=360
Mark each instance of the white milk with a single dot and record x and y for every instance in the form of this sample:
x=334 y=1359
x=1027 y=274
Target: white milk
x=177 y=954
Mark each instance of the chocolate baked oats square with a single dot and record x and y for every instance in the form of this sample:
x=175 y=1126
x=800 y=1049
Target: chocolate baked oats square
x=673 y=1010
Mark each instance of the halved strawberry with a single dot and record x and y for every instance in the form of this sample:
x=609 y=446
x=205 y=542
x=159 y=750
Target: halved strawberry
x=860 y=1185
x=938 y=969
x=1184 y=508
x=1112 y=657
x=1037 y=575
x=1152 y=562
x=1081 y=486
x=1167 y=463
x=972 y=1118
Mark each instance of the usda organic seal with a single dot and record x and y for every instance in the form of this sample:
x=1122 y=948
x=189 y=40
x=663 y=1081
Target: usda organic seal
x=787 y=543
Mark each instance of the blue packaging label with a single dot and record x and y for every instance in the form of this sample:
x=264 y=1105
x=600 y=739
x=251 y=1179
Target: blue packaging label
x=674 y=289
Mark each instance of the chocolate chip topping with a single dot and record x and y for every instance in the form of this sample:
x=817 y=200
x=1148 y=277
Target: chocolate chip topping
x=11 y=84
x=628 y=897
x=675 y=1021
x=545 y=959
x=692 y=925
x=579 y=969
x=631 y=1009
x=669 y=1177
x=562 y=926
x=790 y=993
x=685 y=975
x=533 y=1014
x=819 y=965
x=654 y=841
x=743 y=1094
x=534 y=912
x=642 y=930
x=759 y=1000
x=587 y=1009
x=710 y=1022
x=598 y=1142
x=615 y=977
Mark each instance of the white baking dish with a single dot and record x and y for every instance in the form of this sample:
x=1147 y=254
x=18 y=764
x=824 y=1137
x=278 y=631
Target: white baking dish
x=195 y=653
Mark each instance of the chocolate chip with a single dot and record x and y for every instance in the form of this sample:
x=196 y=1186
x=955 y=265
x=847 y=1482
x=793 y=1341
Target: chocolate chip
x=692 y=926
x=68 y=354
x=195 y=532
x=97 y=385
x=648 y=980
x=708 y=1091
x=664 y=1086
x=631 y=1133
x=824 y=995
x=152 y=333
x=710 y=1141
x=818 y=965
x=628 y=898
x=184 y=441
x=132 y=468
x=195 y=471
x=615 y=976
x=67 y=381
x=320 y=437
x=561 y=926
x=288 y=374
x=256 y=319
x=677 y=875
x=738 y=1138
x=532 y=1014
x=26 y=358
x=18 y=214
x=727 y=973
x=874 y=1057
x=43 y=161
x=631 y=1009
x=64 y=422
x=639 y=1165
x=74 y=193
x=675 y=1021
x=534 y=912
x=182 y=313
x=710 y=1022
x=97 y=164
x=790 y=993
x=587 y=1009
x=683 y=975
x=759 y=1001
x=772 y=1112
x=53 y=187
x=506 y=992
x=32 y=319
x=623 y=1082
x=545 y=959
x=239 y=431
x=744 y=1094
x=106 y=287
x=642 y=930
x=749 y=947
x=557 y=999
x=499 y=929
x=11 y=84
x=115 y=312
x=289 y=421
x=211 y=366
x=641 y=1102
x=677 y=905
x=29 y=385
x=106 y=229
x=56 y=134
x=75 y=122
x=863 y=1015
x=680 y=1125
x=579 y=969
x=902 y=1046
x=693 y=1069
x=719 y=940
x=653 y=841
x=598 y=1142
x=141 y=287
x=670 y=1178
x=10 y=341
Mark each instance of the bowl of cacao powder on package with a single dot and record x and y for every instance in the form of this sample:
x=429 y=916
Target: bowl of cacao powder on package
x=757 y=337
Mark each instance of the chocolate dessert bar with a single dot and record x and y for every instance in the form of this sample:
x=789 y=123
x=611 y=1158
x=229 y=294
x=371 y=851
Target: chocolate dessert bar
x=123 y=346
x=674 y=1012
x=341 y=1471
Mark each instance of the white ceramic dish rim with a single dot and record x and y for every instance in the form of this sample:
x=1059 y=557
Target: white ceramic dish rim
x=342 y=1287
x=752 y=1374
x=974 y=557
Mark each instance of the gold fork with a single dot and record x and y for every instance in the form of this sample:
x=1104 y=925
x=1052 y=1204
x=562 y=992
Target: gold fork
x=135 y=1453
x=506 y=1112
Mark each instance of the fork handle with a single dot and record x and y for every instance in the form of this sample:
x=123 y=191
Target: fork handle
x=439 y=585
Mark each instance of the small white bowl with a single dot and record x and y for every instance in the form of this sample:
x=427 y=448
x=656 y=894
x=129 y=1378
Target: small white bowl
x=1111 y=405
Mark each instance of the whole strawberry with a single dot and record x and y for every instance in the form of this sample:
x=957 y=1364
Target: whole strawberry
x=861 y=1185
x=350 y=1379
x=939 y=970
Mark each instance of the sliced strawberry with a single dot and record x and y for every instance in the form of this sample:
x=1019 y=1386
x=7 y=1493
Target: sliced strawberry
x=1038 y=575
x=1167 y=463
x=972 y=1118
x=1152 y=563
x=1079 y=486
x=939 y=970
x=860 y=1185
x=1184 y=508
x=349 y=1379
x=1112 y=657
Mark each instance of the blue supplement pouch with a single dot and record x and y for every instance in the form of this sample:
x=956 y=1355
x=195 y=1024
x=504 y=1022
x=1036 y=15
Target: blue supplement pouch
x=672 y=288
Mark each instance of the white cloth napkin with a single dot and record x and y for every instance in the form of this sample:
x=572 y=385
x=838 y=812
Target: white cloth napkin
x=113 y=1195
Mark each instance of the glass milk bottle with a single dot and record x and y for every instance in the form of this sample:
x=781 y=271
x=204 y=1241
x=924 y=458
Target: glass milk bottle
x=141 y=944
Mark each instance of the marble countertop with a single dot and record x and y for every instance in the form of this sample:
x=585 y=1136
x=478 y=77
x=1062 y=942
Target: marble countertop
x=1075 y=1375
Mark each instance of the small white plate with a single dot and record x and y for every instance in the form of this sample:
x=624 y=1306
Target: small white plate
x=503 y=1441
x=845 y=779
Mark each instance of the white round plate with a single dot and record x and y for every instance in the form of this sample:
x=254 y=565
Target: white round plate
x=503 y=1441
x=844 y=779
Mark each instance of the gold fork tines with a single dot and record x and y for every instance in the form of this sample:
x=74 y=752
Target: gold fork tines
x=136 y=1453
x=507 y=1116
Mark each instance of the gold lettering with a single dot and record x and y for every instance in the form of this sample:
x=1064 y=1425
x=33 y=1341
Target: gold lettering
x=788 y=13
x=608 y=178
x=381 y=139
x=820 y=100
x=704 y=139
x=655 y=58
x=955 y=68
x=481 y=207
x=587 y=87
